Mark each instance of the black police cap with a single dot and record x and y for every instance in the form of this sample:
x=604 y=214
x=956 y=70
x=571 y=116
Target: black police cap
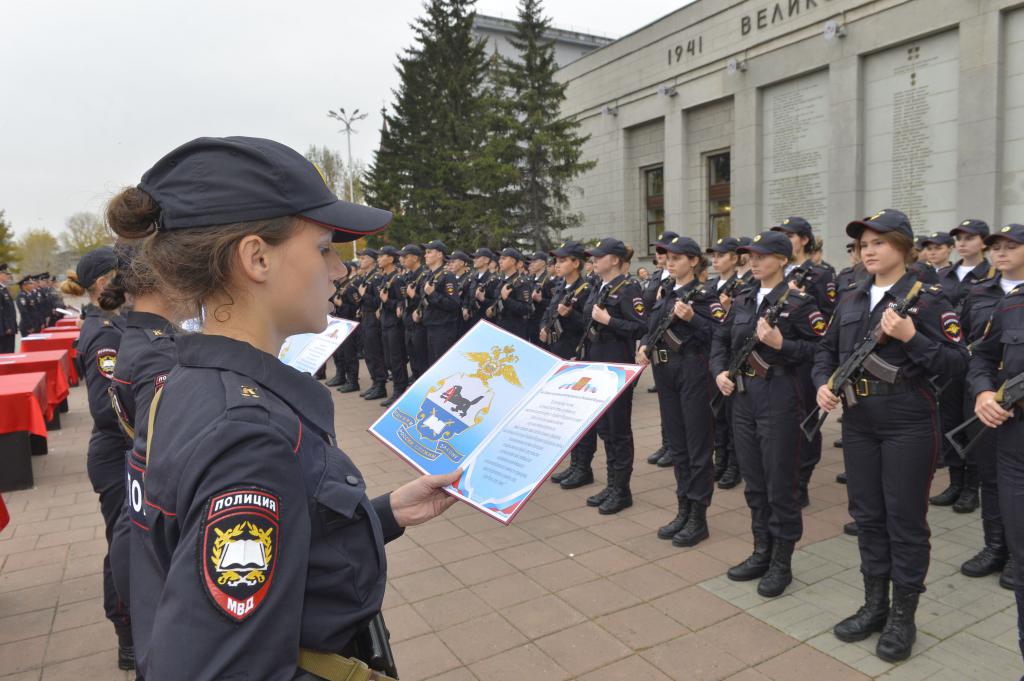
x=795 y=225
x=769 y=243
x=94 y=265
x=1012 y=231
x=608 y=246
x=727 y=244
x=369 y=252
x=483 y=252
x=971 y=226
x=888 y=220
x=463 y=256
x=221 y=180
x=666 y=237
x=680 y=245
x=538 y=255
x=436 y=245
x=510 y=252
x=570 y=249
x=389 y=250
x=744 y=240
x=412 y=249
x=938 y=239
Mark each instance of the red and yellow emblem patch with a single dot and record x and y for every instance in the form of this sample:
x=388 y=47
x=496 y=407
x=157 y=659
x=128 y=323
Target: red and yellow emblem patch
x=818 y=324
x=638 y=306
x=238 y=550
x=830 y=290
x=717 y=312
x=951 y=326
x=106 y=361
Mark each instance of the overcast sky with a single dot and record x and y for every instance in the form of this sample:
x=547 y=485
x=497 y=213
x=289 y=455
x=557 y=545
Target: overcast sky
x=94 y=92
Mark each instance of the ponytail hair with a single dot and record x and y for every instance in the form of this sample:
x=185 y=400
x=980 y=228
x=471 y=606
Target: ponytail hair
x=71 y=287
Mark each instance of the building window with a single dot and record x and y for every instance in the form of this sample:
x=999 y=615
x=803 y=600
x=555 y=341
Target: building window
x=719 y=197
x=654 y=204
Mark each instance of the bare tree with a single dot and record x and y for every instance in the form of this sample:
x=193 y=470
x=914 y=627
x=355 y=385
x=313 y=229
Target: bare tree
x=37 y=251
x=84 y=232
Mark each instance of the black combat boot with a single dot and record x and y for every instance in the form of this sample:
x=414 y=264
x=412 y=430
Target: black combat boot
x=780 y=572
x=871 y=616
x=1008 y=577
x=566 y=472
x=581 y=475
x=125 y=650
x=993 y=556
x=968 y=500
x=721 y=462
x=756 y=563
x=391 y=400
x=731 y=476
x=841 y=478
x=596 y=500
x=349 y=387
x=850 y=528
x=802 y=497
x=897 y=639
x=677 y=523
x=838 y=444
x=620 y=497
x=334 y=381
x=696 y=529
x=949 y=495
x=377 y=391
x=667 y=459
x=654 y=458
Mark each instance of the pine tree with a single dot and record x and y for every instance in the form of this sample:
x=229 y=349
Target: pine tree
x=550 y=148
x=438 y=166
x=8 y=250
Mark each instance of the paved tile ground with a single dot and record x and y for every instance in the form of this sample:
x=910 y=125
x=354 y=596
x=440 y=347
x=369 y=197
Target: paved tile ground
x=563 y=593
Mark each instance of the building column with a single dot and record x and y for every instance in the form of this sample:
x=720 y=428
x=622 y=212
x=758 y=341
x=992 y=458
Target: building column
x=675 y=168
x=980 y=119
x=745 y=159
x=845 y=158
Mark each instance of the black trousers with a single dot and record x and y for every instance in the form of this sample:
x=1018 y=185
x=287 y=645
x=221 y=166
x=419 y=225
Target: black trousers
x=615 y=428
x=416 y=348
x=345 y=361
x=769 y=447
x=106 y=473
x=440 y=338
x=810 y=451
x=890 y=447
x=6 y=344
x=393 y=337
x=1010 y=461
x=684 y=399
x=951 y=411
x=723 y=428
x=373 y=349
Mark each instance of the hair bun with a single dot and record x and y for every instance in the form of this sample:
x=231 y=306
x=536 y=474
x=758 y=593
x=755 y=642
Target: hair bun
x=133 y=213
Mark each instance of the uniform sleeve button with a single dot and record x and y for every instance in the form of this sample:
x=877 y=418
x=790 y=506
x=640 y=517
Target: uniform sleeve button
x=352 y=480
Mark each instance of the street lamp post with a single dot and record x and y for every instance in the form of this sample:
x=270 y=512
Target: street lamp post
x=347 y=120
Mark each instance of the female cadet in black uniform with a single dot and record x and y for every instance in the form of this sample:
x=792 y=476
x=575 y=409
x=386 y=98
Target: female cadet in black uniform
x=561 y=330
x=891 y=434
x=618 y=315
x=680 y=357
x=995 y=358
x=261 y=539
x=1008 y=259
x=392 y=333
x=145 y=357
x=766 y=411
x=96 y=357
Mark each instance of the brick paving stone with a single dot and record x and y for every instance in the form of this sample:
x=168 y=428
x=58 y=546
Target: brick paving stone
x=543 y=616
x=582 y=648
x=481 y=638
x=598 y=597
x=633 y=667
x=641 y=626
x=694 y=658
x=812 y=664
x=523 y=662
x=749 y=639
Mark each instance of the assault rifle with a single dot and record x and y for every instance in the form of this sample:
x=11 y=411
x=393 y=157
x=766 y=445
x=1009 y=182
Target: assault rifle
x=746 y=354
x=1010 y=393
x=862 y=357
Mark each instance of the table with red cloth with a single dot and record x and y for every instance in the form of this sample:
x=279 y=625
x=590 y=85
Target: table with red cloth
x=55 y=363
x=22 y=427
x=54 y=341
x=61 y=329
x=67 y=322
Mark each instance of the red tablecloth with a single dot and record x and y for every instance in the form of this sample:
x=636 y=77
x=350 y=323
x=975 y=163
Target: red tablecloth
x=53 y=341
x=70 y=322
x=61 y=329
x=54 y=363
x=22 y=401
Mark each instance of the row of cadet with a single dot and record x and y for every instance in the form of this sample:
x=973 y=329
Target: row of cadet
x=742 y=365
x=33 y=309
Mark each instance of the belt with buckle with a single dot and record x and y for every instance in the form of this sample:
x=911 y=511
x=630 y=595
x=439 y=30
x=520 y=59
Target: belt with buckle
x=867 y=387
x=774 y=371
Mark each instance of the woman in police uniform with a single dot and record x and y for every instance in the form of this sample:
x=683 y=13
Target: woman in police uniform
x=766 y=426
x=261 y=539
x=891 y=434
x=145 y=357
x=618 y=313
x=680 y=354
x=996 y=357
x=96 y=359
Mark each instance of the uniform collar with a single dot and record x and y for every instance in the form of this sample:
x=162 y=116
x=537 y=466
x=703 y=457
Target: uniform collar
x=148 y=320
x=898 y=290
x=303 y=394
